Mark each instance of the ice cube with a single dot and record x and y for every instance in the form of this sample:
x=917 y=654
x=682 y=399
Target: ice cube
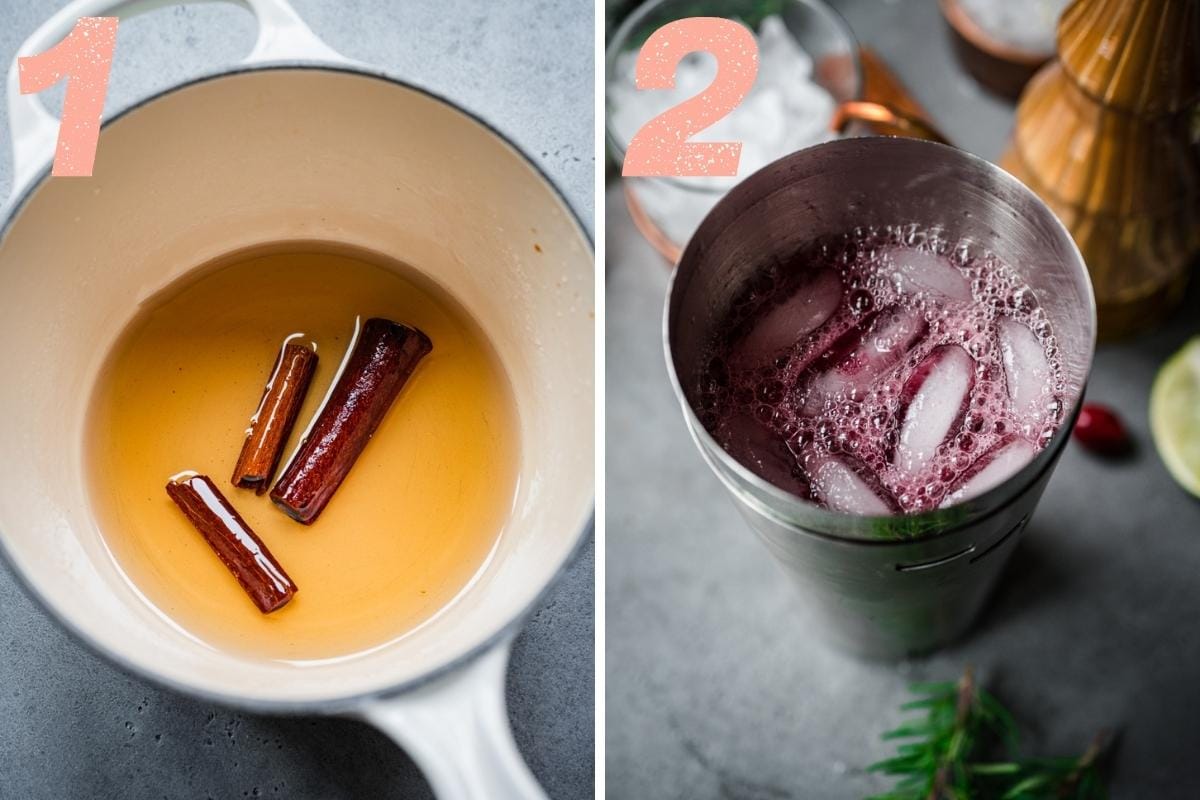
x=846 y=485
x=762 y=452
x=1028 y=26
x=785 y=66
x=934 y=399
x=883 y=343
x=1026 y=369
x=780 y=56
x=992 y=469
x=760 y=123
x=783 y=326
x=916 y=271
x=695 y=73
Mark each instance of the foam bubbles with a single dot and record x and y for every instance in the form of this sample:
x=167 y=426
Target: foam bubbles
x=832 y=352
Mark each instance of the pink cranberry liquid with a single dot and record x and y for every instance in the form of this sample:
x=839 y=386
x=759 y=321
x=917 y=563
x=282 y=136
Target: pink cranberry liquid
x=885 y=372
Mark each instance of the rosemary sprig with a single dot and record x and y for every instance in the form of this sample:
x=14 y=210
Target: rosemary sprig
x=938 y=757
x=1052 y=778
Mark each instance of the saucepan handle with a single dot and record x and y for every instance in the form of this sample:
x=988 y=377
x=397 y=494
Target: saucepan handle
x=456 y=728
x=282 y=36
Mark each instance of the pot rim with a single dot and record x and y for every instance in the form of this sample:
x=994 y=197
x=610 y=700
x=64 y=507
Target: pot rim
x=347 y=703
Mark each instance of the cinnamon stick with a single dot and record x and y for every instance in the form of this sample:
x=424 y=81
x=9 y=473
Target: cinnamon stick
x=378 y=366
x=239 y=549
x=277 y=411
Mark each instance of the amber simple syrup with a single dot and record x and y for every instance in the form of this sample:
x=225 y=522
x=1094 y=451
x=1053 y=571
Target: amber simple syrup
x=411 y=526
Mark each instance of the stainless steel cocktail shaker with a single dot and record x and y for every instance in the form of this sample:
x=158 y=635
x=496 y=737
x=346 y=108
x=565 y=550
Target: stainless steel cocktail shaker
x=882 y=587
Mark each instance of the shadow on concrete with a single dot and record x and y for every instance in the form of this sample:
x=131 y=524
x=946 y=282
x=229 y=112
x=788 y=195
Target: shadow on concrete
x=359 y=760
x=1037 y=571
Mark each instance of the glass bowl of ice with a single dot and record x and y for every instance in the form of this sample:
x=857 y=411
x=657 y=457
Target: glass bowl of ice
x=808 y=66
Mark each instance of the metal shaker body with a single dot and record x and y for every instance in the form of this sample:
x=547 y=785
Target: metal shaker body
x=883 y=587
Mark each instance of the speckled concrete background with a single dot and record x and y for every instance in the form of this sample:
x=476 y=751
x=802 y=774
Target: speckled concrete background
x=716 y=688
x=72 y=726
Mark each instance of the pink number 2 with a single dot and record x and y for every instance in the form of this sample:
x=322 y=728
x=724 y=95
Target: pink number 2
x=661 y=146
x=84 y=58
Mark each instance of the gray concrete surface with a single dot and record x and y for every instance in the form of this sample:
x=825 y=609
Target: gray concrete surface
x=72 y=726
x=715 y=686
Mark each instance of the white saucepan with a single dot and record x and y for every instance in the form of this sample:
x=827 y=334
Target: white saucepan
x=275 y=150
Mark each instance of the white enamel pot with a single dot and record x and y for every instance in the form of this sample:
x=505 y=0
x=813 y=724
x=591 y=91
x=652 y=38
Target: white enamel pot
x=296 y=143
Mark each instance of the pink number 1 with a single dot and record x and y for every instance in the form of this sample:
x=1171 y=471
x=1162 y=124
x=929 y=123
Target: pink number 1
x=84 y=58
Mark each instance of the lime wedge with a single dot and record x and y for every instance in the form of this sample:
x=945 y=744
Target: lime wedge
x=1175 y=415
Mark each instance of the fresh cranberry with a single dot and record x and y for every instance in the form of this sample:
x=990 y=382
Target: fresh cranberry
x=1101 y=431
